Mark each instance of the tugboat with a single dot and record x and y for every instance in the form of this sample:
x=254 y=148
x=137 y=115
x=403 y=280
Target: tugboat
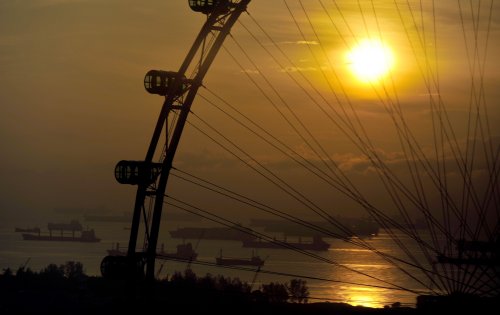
x=116 y=251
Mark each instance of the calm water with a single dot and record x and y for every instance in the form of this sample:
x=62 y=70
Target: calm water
x=15 y=252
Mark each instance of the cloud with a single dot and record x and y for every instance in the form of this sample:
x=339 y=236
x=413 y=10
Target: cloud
x=300 y=42
x=298 y=69
x=250 y=71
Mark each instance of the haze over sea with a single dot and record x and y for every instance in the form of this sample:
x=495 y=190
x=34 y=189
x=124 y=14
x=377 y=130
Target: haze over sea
x=295 y=117
x=337 y=283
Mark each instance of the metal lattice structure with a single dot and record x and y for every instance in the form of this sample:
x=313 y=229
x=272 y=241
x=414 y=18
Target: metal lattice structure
x=151 y=177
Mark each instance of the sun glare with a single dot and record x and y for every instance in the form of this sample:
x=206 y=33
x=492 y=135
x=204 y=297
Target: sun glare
x=370 y=60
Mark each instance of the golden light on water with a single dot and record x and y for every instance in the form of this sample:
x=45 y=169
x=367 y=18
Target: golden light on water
x=370 y=60
x=368 y=297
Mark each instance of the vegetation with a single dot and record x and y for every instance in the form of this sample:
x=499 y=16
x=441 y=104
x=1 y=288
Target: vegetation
x=67 y=289
x=72 y=273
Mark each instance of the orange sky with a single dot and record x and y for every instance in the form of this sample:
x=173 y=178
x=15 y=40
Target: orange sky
x=73 y=103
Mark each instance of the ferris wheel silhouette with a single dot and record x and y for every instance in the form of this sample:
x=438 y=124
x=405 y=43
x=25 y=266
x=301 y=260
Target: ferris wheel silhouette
x=459 y=250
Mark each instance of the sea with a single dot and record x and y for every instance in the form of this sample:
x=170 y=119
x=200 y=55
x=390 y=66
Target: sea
x=345 y=273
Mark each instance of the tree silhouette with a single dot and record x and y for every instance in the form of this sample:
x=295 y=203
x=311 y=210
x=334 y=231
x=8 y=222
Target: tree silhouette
x=275 y=292
x=298 y=290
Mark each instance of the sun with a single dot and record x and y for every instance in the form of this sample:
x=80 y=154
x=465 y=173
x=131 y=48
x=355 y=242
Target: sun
x=370 y=60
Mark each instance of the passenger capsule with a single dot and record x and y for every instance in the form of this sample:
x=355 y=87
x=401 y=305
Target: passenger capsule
x=158 y=82
x=205 y=6
x=136 y=172
x=123 y=267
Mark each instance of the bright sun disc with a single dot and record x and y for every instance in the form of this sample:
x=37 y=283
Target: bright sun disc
x=370 y=60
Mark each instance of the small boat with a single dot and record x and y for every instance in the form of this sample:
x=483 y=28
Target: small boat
x=184 y=252
x=230 y=261
x=317 y=244
x=116 y=251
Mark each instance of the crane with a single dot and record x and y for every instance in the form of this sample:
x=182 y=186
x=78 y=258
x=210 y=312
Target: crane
x=149 y=176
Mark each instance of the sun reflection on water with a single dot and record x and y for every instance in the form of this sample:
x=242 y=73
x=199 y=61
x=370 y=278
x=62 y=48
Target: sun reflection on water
x=368 y=297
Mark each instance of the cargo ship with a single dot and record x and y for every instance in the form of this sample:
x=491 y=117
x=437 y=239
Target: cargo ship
x=183 y=252
x=317 y=244
x=64 y=232
x=213 y=233
x=84 y=236
x=345 y=227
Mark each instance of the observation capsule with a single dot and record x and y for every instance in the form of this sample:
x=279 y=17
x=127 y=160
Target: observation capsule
x=205 y=6
x=123 y=267
x=136 y=172
x=158 y=82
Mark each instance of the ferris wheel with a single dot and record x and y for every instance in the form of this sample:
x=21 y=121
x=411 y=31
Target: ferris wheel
x=179 y=92
x=459 y=251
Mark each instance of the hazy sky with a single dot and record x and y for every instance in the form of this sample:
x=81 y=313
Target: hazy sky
x=72 y=101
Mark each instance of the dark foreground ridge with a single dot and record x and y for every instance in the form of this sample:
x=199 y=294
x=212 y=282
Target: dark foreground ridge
x=66 y=289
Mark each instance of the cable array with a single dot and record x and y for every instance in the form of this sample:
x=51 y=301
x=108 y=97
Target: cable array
x=443 y=165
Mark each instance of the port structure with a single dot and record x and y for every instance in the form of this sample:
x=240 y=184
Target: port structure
x=179 y=92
